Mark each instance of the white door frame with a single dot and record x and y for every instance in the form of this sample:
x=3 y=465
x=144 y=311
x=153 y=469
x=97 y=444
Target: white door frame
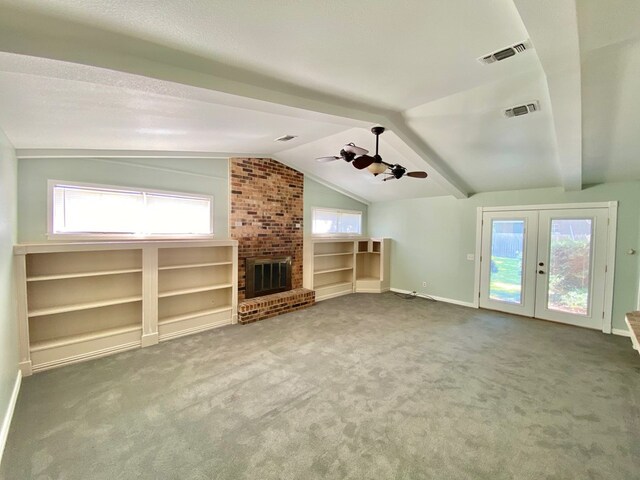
x=610 y=255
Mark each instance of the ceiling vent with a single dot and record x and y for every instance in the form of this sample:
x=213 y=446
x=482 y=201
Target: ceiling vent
x=505 y=53
x=522 y=109
x=285 y=138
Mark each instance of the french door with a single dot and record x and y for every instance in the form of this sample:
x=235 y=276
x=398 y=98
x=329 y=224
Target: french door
x=548 y=264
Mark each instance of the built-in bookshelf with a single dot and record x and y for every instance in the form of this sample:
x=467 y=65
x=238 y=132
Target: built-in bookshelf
x=331 y=269
x=339 y=266
x=78 y=301
x=372 y=266
x=195 y=289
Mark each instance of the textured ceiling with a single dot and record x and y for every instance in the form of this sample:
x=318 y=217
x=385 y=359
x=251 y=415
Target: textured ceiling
x=393 y=54
x=230 y=76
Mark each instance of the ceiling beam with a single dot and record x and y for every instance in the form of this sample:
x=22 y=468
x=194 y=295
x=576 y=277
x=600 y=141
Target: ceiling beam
x=553 y=29
x=30 y=32
x=439 y=171
x=24 y=153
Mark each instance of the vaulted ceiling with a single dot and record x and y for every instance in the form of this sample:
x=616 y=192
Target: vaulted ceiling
x=115 y=77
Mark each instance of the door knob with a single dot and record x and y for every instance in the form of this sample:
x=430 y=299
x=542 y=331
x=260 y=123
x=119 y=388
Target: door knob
x=540 y=272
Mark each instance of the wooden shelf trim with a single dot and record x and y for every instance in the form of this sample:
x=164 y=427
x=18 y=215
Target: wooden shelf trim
x=190 y=315
x=194 y=265
x=70 y=340
x=332 y=254
x=97 y=273
x=332 y=285
x=329 y=270
x=186 y=291
x=83 y=306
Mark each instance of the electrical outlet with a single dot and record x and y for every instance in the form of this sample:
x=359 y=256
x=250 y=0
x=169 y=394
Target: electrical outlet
x=424 y=284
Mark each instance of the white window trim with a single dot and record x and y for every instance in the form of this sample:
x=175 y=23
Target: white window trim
x=333 y=235
x=51 y=183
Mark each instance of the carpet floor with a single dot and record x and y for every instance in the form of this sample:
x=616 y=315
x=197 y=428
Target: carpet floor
x=358 y=387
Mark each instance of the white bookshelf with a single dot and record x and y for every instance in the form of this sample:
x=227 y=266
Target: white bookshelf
x=196 y=289
x=339 y=266
x=372 y=266
x=329 y=267
x=84 y=300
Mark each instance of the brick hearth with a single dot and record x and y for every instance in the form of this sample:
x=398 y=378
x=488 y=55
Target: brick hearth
x=267 y=306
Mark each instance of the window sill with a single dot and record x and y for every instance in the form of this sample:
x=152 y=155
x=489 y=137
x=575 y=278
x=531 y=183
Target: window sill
x=132 y=238
x=337 y=235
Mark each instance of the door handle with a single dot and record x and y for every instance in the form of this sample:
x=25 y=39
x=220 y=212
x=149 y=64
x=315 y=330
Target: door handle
x=541 y=264
x=540 y=272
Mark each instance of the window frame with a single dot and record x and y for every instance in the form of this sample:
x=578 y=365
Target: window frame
x=338 y=211
x=51 y=235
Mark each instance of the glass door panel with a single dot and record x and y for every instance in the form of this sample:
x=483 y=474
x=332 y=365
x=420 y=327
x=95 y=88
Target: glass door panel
x=508 y=261
x=507 y=247
x=571 y=266
x=569 y=279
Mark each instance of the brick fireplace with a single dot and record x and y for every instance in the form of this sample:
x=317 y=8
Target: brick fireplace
x=266 y=218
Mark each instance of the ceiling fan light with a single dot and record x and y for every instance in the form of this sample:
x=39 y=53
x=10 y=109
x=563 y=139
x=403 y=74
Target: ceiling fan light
x=377 y=168
x=352 y=148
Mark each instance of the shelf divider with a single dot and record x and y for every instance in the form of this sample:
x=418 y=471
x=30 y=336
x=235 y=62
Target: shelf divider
x=71 y=339
x=332 y=254
x=329 y=270
x=83 y=306
x=189 y=315
x=186 y=291
x=335 y=284
x=193 y=265
x=98 y=273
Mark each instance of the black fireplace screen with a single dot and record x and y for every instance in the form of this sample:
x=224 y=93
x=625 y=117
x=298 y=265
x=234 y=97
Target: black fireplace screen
x=265 y=275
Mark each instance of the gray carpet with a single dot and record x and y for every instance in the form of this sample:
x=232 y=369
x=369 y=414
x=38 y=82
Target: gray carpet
x=363 y=386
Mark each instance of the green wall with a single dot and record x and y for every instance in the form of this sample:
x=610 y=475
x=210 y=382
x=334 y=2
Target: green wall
x=432 y=237
x=203 y=176
x=317 y=195
x=8 y=330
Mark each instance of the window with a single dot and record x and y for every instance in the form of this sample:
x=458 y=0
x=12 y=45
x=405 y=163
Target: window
x=336 y=222
x=78 y=209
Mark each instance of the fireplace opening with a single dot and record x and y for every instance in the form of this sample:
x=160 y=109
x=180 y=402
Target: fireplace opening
x=266 y=275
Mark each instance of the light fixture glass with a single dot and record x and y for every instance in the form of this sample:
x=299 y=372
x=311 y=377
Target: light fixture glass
x=377 y=167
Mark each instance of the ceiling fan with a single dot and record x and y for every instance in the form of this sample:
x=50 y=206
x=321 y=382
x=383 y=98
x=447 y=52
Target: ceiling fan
x=360 y=158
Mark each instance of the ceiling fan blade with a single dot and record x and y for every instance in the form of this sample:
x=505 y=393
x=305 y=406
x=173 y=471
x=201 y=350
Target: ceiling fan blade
x=327 y=159
x=416 y=174
x=363 y=162
x=352 y=148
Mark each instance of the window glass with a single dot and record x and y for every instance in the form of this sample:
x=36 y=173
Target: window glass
x=334 y=222
x=171 y=214
x=92 y=210
x=325 y=221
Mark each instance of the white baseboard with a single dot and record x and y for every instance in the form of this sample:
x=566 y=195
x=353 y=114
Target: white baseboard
x=6 y=421
x=438 y=299
x=621 y=331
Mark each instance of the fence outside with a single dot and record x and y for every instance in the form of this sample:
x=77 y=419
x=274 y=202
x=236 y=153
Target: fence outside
x=507 y=245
